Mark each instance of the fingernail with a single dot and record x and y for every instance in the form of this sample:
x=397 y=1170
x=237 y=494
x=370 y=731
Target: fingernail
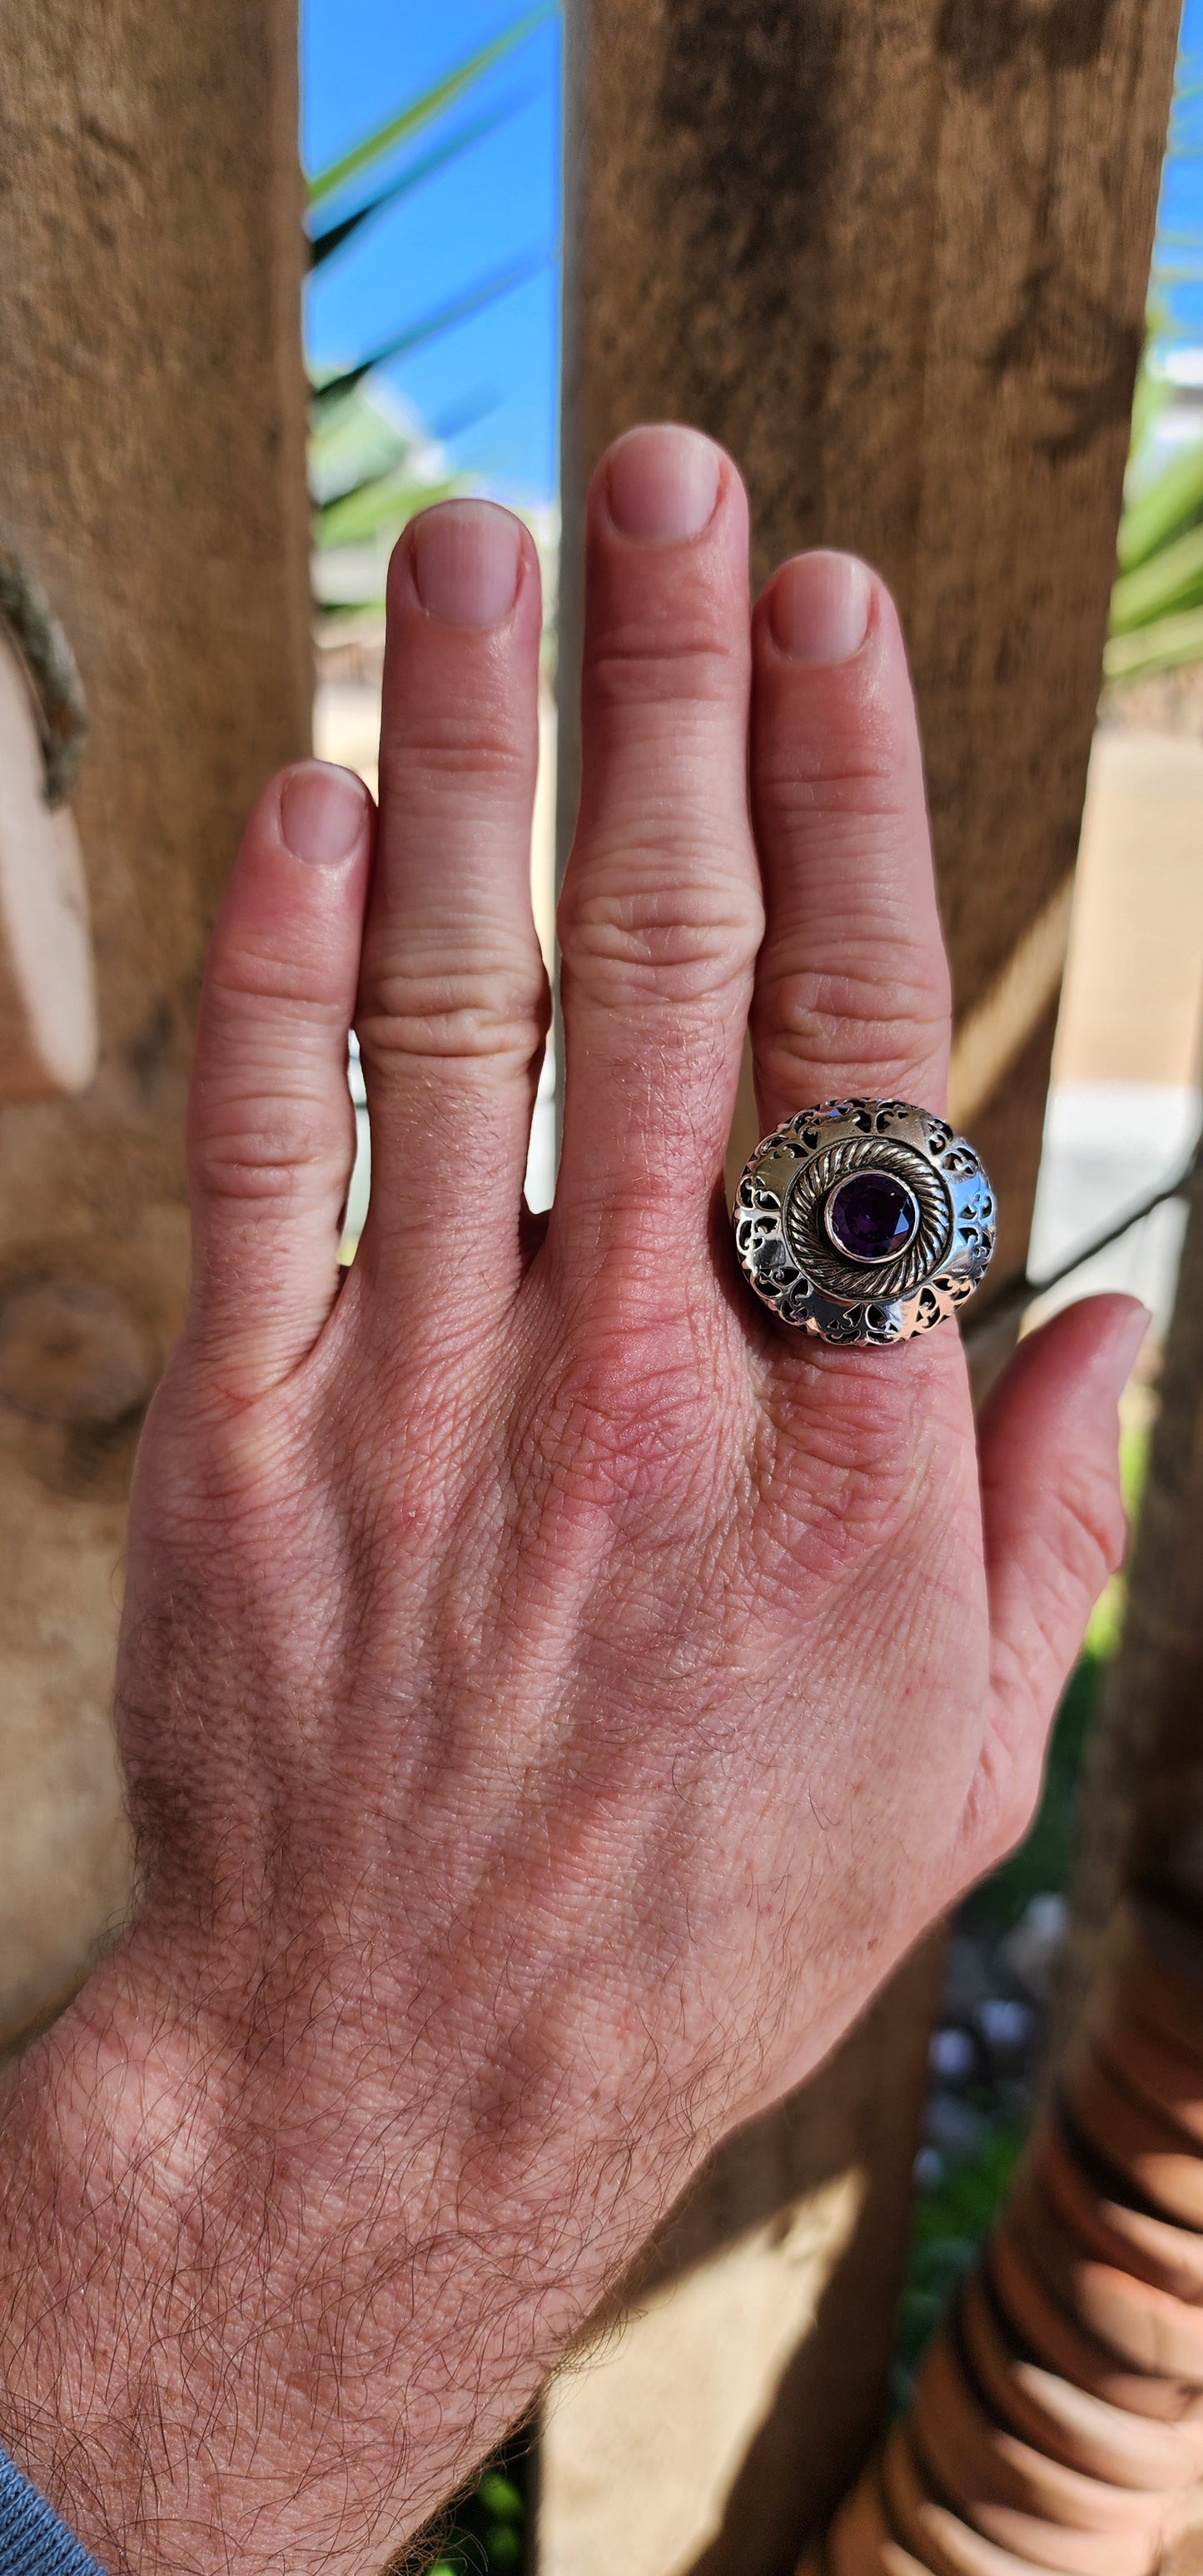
x=466 y=556
x=662 y=484
x=819 y=607
x=322 y=812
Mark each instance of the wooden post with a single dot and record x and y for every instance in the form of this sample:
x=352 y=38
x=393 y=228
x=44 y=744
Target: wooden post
x=152 y=478
x=1142 y=1807
x=1142 y=1803
x=894 y=254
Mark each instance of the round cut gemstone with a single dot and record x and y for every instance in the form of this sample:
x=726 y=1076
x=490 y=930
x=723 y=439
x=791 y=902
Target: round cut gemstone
x=871 y=1216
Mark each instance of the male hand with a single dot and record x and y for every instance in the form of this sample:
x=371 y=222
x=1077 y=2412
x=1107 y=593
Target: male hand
x=552 y=1696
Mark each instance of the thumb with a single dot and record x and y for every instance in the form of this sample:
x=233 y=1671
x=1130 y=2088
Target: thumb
x=1054 y=1529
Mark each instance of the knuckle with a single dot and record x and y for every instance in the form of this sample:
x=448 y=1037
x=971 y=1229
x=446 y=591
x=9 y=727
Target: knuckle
x=678 y=938
x=807 y=780
x=283 y=1151
x=1016 y=1802
x=621 y=1419
x=890 y=1008
x=1002 y=1803
x=671 y=659
x=1007 y=1820
x=250 y=986
x=451 y=1012
x=237 y=1470
x=460 y=752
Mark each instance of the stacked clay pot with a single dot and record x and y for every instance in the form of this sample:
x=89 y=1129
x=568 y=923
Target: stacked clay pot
x=1057 y=2421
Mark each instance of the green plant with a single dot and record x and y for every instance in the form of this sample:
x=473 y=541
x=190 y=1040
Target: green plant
x=484 y=2531
x=409 y=120
x=948 y=2223
x=369 y=469
x=1157 y=602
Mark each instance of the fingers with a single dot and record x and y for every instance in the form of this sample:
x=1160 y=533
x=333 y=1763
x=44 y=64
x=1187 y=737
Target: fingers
x=270 y=1123
x=1054 y=1530
x=852 y=990
x=661 y=912
x=452 y=1004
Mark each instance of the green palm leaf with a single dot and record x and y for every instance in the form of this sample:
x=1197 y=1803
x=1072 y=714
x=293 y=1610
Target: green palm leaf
x=420 y=111
x=384 y=503
x=1167 y=581
x=1165 y=645
x=323 y=244
x=1164 y=512
x=444 y=318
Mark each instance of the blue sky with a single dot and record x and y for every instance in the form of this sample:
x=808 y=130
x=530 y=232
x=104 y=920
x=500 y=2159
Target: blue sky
x=1180 y=215
x=487 y=388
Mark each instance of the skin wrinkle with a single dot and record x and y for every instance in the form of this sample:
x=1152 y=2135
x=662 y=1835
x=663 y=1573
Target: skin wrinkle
x=657 y=659
x=827 y=1018
x=852 y=776
x=532 y=1661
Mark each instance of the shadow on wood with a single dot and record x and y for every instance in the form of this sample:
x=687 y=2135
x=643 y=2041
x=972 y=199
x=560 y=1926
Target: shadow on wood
x=730 y=2403
x=152 y=472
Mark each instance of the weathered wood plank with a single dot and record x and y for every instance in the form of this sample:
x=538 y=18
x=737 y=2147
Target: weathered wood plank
x=1141 y=1821
x=152 y=476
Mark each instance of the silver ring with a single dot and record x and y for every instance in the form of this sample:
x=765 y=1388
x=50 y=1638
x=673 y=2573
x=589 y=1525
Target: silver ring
x=863 y=1221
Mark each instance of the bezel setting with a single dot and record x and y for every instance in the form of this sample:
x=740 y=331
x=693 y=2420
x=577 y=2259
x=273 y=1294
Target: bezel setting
x=806 y=1276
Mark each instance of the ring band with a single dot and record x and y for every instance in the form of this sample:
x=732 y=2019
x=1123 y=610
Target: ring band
x=863 y=1221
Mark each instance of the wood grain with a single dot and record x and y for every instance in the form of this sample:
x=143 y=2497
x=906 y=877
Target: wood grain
x=152 y=476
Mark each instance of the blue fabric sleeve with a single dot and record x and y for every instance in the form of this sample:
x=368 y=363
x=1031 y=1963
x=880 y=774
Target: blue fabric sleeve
x=33 y=2542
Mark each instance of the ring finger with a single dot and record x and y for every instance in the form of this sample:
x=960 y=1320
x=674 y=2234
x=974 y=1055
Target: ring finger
x=852 y=990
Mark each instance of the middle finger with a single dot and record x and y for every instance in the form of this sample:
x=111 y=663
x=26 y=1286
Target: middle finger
x=452 y=999
x=661 y=914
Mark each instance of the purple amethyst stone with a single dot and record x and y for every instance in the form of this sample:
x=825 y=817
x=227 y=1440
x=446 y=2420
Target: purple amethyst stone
x=871 y=1216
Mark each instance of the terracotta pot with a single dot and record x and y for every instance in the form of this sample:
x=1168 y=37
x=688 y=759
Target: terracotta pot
x=1158 y=1986
x=1139 y=2141
x=980 y=2464
x=1057 y=2422
x=1159 y=2071
x=1063 y=2420
x=858 y=2533
x=906 y=2502
x=939 y=2538
x=1066 y=2347
x=860 y=2542
x=1170 y=2257
x=1146 y=2326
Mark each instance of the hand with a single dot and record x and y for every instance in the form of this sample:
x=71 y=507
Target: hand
x=552 y=1697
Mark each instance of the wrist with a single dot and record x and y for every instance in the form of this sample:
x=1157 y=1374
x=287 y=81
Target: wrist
x=244 y=2312
x=97 y=2122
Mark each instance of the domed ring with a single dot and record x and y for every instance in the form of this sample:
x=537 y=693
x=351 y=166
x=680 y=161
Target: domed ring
x=863 y=1221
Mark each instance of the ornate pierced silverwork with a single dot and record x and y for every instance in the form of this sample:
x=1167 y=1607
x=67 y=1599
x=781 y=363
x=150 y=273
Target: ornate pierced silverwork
x=864 y=1221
